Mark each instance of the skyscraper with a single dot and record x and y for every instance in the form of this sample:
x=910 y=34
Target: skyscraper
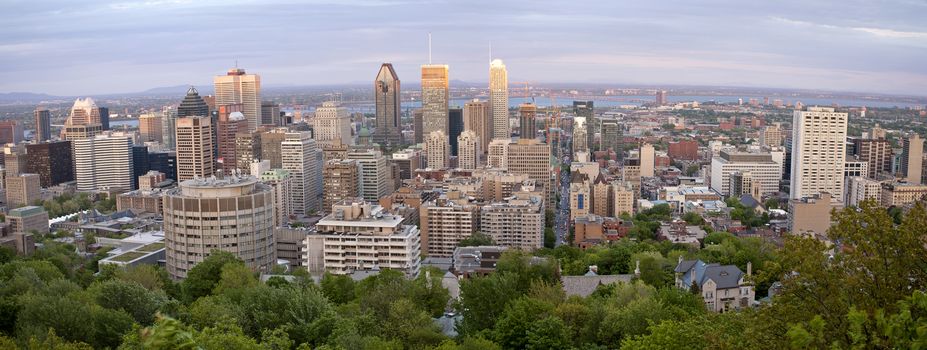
x=478 y=119
x=878 y=154
x=455 y=125
x=418 y=125
x=84 y=120
x=22 y=189
x=436 y=150
x=499 y=99
x=270 y=114
x=104 y=117
x=194 y=148
x=586 y=110
x=332 y=122
x=103 y=162
x=579 y=134
x=647 y=160
x=527 y=113
x=230 y=122
x=299 y=155
x=11 y=131
x=661 y=97
x=388 y=103
x=374 y=173
x=53 y=162
x=818 y=152
x=912 y=158
x=192 y=105
x=237 y=87
x=341 y=176
x=247 y=150
x=434 y=98
x=192 y=213
x=150 y=128
x=42 y=124
x=469 y=151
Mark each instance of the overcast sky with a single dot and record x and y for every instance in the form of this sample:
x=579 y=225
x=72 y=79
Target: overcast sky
x=69 y=47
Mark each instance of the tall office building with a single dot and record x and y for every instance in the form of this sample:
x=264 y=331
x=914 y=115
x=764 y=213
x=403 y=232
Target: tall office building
x=150 y=128
x=912 y=158
x=300 y=155
x=247 y=150
x=374 y=173
x=104 y=118
x=418 y=125
x=818 y=153
x=610 y=136
x=661 y=97
x=647 y=160
x=11 y=131
x=231 y=122
x=270 y=114
x=279 y=181
x=42 y=124
x=878 y=154
x=341 y=182
x=192 y=105
x=192 y=213
x=477 y=117
x=22 y=190
x=14 y=160
x=455 y=125
x=237 y=87
x=103 y=163
x=579 y=134
x=387 y=93
x=437 y=150
x=469 y=152
x=435 y=99
x=193 y=136
x=84 y=120
x=499 y=99
x=586 y=109
x=332 y=122
x=164 y=162
x=527 y=112
x=270 y=146
x=52 y=161
x=532 y=158
x=497 y=155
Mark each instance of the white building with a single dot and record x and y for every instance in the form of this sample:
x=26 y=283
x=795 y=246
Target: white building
x=300 y=157
x=103 y=162
x=517 y=222
x=437 y=150
x=361 y=237
x=374 y=173
x=279 y=181
x=861 y=188
x=647 y=160
x=332 y=122
x=498 y=154
x=468 y=150
x=499 y=100
x=818 y=152
x=762 y=169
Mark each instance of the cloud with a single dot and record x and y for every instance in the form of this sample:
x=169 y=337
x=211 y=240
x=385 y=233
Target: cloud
x=875 y=32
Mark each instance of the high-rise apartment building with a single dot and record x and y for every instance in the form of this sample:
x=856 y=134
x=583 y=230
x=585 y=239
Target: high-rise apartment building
x=300 y=156
x=445 y=222
x=661 y=98
x=497 y=157
x=237 y=87
x=279 y=182
x=437 y=150
x=818 y=152
x=52 y=161
x=435 y=99
x=469 y=151
x=150 y=128
x=878 y=154
x=332 y=122
x=11 y=131
x=270 y=146
x=193 y=136
x=231 y=122
x=516 y=222
x=647 y=155
x=531 y=157
x=860 y=188
x=623 y=196
x=103 y=163
x=771 y=135
x=580 y=196
x=42 y=124
x=374 y=173
x=341 y=181
x=527 y=113
x=477 y=117
x=499 y=99
x=912 y=158
x=388 y=96
x=193 y=211
x=22 y=189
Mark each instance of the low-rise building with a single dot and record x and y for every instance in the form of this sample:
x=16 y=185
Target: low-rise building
x=723 y=287
x=28 y=220
x=810 y=216
x=517 y=222
x=900 y=194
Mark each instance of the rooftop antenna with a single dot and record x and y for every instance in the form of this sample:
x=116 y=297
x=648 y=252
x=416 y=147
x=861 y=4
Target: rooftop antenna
x=490 y=51
x=236 y=63
x=429 y=47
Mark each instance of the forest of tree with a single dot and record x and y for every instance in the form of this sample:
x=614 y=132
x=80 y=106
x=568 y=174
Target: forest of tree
x=868 y=291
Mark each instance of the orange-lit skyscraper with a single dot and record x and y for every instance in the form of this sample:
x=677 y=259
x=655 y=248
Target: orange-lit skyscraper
x=237 y=87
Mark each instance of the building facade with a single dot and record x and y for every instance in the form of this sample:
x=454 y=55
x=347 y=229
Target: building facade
x=237 y=87
x=499 y=100
x=103 y=163
x=388 y=96
x=818 y=152
x=194 y=144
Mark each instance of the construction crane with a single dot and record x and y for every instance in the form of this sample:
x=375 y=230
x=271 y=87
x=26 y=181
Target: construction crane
x=527 y=90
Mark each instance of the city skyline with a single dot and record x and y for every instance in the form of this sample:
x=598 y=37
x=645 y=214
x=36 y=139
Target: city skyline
x=151 y=44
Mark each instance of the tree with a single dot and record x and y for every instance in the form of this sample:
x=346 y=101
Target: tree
x=513 y=326
x=130 y=297
x=483 y=299
x=203 y=278
x=550 y=238
x=235 y=277
x=693 y=218
x=476 y=239
x=338 y=288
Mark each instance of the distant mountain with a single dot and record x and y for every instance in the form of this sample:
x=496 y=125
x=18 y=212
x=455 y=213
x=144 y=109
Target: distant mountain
x=178 y=90
x=27 y=97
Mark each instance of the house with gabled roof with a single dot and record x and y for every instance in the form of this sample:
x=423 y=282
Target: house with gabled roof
x=723 y=287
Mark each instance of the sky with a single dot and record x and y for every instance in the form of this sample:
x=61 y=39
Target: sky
x=73 y=48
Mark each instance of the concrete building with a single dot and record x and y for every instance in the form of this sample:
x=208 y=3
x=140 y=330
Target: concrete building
x=270 y=114
x=478 y=118
x=497 y=156
x=647 y=160
x=912 y=158
x=810 y=216
x=387 y=93
x=374 y=173
x=901 y=194
x=445 y=222
x=517 y=222
x=22 y=190
x=83 y=121
x=437 y=150
x=150 y=128
x=279 y=181
x=469 y=151
x=527 y=115
x=270 y=146
x=610 y=138
x=580 y=196
x=624 y=198
x=28 y=220
x=579 y=135
x=530 y=157
x=499 y=100
x=878 y=154
x=247 y=150
x=332 y=122
x=103 y=163
x=762 y=169
x=194 y=138
x=341 y=181
x=771 y=135
x=359 y=237
x=434 y=99
x=818 y=152
x=861 y=188
x=601 y=197
x=300 y=157
x=230 y=123
x=237 y=87
x=142 y=201
x=193 y=213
